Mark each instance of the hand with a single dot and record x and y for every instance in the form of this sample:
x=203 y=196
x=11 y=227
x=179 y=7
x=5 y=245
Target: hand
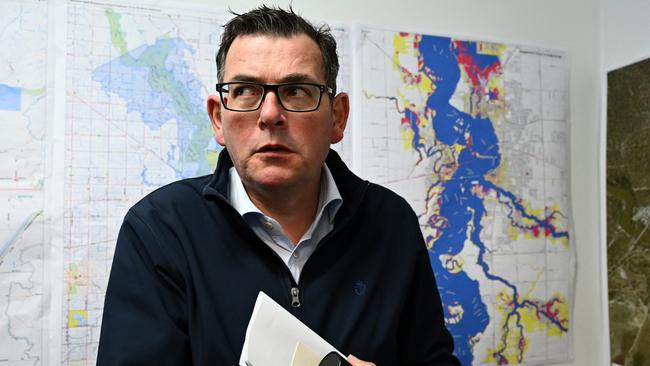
x=357 y=362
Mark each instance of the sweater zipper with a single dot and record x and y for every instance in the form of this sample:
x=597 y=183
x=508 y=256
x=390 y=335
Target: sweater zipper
x=295 y=297
x=294 y=292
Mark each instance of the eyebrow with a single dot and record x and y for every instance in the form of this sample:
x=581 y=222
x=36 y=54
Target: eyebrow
x=298 y=78
x=291 y=78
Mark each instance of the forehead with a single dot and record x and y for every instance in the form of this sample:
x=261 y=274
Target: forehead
x=271 y=58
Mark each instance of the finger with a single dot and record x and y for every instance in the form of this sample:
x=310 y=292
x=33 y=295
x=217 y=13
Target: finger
x=357 y=362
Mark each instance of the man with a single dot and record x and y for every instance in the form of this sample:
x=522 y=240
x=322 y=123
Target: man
x=281 y=214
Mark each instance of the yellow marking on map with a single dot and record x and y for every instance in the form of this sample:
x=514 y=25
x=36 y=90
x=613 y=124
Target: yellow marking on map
x=491 y=48
x=563 y=312
x=453 y=264
x=530 y=318
x=499 y=176
x=407 y=137
x=457 y=149
x=514 y=346
x=402 y=42
x=74 y=278
x=511 y=352
x=426 y=85
x=77 y=318
x=401 y=45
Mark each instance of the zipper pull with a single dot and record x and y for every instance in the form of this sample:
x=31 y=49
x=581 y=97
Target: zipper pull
x=295 y=297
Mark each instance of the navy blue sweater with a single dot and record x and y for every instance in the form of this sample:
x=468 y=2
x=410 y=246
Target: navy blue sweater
x=187 y=270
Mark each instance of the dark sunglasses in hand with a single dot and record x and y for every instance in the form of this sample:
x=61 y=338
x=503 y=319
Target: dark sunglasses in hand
x=334 y=359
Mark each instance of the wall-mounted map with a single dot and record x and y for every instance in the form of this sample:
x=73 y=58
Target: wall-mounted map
x=475 y=136
x=24 y=168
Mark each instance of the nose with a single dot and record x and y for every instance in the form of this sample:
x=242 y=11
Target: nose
x=271 y=112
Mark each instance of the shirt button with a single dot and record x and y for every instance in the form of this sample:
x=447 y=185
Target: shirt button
x=296 y=255
x=268 y=225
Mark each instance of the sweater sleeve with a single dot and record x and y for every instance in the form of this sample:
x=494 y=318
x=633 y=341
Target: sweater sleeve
x=144 y=320
x=424 y=338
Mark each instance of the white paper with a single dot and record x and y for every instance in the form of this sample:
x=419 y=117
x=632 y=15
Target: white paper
x=273 y=333
x=303 y=356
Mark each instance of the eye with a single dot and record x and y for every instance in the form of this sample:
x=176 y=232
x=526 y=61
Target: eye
x=298 y=91
x=243 y=90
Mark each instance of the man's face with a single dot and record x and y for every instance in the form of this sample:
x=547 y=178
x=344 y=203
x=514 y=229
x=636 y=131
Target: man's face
x=271 y=147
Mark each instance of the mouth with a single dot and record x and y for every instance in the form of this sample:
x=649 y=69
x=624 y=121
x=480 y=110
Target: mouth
x=273 y=149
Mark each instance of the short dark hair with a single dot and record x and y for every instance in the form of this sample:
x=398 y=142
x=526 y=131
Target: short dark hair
x=275 y=21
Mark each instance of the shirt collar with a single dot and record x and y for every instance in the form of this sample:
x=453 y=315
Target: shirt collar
x=237 y=195
x=329 y=197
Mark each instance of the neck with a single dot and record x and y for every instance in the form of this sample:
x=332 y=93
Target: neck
x=294 y=208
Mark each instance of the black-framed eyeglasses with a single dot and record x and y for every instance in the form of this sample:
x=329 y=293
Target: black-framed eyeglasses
x=245 y=96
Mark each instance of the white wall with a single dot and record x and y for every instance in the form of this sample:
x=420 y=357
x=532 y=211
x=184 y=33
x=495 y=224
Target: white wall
x=625 y=32
x=572 y=26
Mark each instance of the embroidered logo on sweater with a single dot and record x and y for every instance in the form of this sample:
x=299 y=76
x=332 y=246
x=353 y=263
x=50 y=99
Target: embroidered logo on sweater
x=360 y=288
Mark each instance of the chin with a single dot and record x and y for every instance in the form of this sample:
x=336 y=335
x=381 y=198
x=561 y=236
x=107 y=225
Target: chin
x=274 y=179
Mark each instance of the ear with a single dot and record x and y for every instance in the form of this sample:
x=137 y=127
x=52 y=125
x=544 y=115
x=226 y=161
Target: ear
x=214 y=111
x=340 y=112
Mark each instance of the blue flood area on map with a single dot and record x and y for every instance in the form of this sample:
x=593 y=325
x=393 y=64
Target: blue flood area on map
x=10 y=97
x=457 y=200
x=156 y=82
x=459 y=204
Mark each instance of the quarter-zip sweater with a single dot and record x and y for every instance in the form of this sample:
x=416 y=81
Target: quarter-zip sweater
x=187 y=270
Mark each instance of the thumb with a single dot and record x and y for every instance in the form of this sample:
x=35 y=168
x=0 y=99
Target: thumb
x=357 y=362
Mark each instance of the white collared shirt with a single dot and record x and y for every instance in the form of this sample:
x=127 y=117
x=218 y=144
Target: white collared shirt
x=270 y=231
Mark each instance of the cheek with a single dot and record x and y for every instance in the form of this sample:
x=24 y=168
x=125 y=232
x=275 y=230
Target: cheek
x=238 y=139
x=234 y=132
x=317 y=141
x=321 y=131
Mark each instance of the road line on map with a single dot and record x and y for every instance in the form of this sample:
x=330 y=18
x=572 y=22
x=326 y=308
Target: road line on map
x=19 y=231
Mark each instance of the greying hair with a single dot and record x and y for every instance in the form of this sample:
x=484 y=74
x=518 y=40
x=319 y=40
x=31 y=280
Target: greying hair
x=274 y=21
